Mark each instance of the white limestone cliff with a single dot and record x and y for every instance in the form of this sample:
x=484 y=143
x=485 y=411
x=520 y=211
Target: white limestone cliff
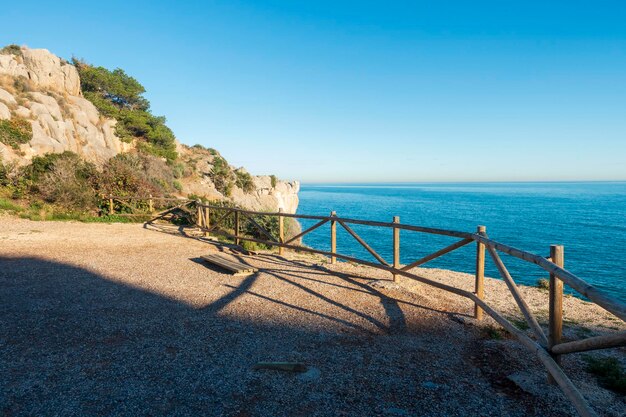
x=43 y=89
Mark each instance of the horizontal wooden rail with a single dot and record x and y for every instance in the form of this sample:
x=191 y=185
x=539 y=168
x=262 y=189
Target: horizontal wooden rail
x=546 y=352
x=604 y=300
x=591 y=343
x=429 y=230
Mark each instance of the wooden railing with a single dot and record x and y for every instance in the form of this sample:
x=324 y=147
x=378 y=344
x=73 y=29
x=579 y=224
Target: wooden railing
x=140 y=206
x=548 y=347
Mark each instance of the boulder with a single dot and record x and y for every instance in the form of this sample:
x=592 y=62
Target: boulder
x=5 y=113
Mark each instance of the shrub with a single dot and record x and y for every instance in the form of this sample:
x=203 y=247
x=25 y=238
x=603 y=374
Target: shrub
x=69 y=183
x=244 y=181
x=543 y=284
x=11 y=50
x=15 y=132
x=7 y=205
x=22 y=85
x=609 y=372
x=273 y=180
x=222 y=176
x=42 y=164
x=135 y=174
x=249 y=246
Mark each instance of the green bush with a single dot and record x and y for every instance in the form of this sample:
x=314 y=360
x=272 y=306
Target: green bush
x=135 y=174
x=543 y=284
x=15 y=132
x=222 y=176
x=118 y=95
x=273 y=180
x=70 y=183
x=244 y=181
x=609 y=372
x=11 y=50
x=8 y=205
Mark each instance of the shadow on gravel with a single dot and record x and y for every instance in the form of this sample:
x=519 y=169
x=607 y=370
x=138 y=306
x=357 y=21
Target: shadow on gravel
x=75 y=343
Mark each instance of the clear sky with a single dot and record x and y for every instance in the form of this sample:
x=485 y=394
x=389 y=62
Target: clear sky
x=330 y=91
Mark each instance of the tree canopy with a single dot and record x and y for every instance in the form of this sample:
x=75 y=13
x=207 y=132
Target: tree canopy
x=120 y=96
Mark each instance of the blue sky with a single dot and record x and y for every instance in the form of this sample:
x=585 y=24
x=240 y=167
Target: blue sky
x=367 y=91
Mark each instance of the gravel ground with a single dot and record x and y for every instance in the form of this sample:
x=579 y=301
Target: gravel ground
x=115 y=319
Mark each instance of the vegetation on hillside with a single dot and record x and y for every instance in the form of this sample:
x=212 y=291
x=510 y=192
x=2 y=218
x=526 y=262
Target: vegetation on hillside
x=64 y=185
x=11 y=49
x=222 y=176
x=68 y=184
x=15 y=132
x=118 y=95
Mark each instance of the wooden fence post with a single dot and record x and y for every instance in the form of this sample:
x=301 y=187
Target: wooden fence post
x=396 y=246
x=281 y=231
x=237 y=228
x=111 y=207
x=480 y=273
x=205 y=220
x=555 y=331
x=333 y=237
x=151 y=204
x=199 y=219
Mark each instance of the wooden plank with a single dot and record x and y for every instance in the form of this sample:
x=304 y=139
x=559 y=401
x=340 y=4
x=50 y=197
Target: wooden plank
x=530 y=319
x=437 y=254
x=591 y=343
x=363 y=243
x=229 y=264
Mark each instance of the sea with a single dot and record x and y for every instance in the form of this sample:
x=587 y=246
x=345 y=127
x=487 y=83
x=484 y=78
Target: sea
x=588 y=218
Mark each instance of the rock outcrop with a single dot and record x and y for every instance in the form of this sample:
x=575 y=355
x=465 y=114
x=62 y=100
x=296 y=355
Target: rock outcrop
x=38 y=86
x=43 y=89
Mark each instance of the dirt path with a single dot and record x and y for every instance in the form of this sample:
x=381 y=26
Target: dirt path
x=99 y=319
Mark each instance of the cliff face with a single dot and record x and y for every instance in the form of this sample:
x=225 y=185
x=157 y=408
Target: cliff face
x=40 y=88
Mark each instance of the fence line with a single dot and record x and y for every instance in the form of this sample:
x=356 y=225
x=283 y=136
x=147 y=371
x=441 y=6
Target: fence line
x=548 y=347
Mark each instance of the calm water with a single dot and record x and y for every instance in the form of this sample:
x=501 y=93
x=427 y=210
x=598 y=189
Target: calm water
x=588 y=218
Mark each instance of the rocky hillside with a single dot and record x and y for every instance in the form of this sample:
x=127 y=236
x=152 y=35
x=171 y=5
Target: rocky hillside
x=43 y=110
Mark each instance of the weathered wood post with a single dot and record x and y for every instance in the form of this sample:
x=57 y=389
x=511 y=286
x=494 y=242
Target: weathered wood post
x=150 y=204
x=396 y=246
x=555 y=331
x=281 y=231
x=480 y=273
x=205 y=220
x=237 y=227
x=111 y=207
x=333 y=237
x=199 y=218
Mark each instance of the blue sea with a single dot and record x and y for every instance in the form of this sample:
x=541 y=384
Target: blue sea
x=588 y=218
